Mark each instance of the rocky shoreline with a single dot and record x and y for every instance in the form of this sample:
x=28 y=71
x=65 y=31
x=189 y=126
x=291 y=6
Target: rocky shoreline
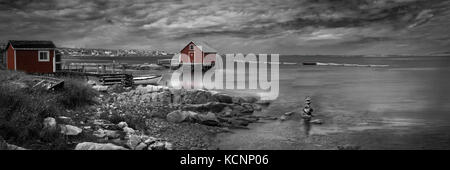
x=152 y=118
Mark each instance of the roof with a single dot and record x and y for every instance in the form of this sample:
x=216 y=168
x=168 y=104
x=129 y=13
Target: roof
x=31 y=44
x=205 y=47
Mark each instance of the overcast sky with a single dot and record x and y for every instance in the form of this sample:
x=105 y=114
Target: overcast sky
x=235 y=26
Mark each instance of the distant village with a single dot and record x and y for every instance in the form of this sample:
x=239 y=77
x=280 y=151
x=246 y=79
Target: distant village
x=109 y=52
x=68 y=52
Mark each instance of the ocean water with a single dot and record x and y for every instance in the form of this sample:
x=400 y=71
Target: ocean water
x=405 y=105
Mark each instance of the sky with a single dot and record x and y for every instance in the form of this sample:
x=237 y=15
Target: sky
x=344 y=27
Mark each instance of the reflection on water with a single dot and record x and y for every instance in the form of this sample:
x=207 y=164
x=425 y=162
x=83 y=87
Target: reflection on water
x=306 y=126
x=410 y=98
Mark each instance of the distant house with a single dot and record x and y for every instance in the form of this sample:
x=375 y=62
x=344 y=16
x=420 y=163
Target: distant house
x=31 y=56
x=199 y=50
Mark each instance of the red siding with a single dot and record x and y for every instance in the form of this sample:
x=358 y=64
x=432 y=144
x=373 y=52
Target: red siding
x=186 y=50
x=27 y=60
x=10 y=58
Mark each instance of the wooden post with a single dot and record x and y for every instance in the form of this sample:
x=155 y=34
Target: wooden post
x=98 y=69
x=113 y=69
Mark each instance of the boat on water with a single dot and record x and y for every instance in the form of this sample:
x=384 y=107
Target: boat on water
x=152 y=80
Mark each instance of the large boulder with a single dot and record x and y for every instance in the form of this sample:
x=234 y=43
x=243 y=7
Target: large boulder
x=196 y=96
x=122 y=124
x=129 y=130
x=209 y=119
x=70 y=130
x=98 y=146
x=245 y=108
x=223 y=98
x=177 y=116
x=207 y=107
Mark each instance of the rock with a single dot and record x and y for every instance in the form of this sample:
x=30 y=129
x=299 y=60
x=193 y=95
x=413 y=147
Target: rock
x=70 y=130
x=238 y=123
x=14 y=147
x=101 y=122
x=133 y=141
x=227 y=112
x=91 y=82
x=141 y=146
x=157 y=146
x=65 y=120
x=249 y=99
x=257 y=107
x=288 y=113
x=118 y=141
x=248 y=108
x=168 y=146
x=129 y=130
x=98 y=146
x=316 y=121
x=177 y=116
x=122 y=125
x=263 y=102
x=223 y=98
x=111 y=134
x=283 y=118
x=196 y=96
x=245 y=108
x=237 y=99
x=100 y=133
x=207 y=107
x=100 y=88
x=209 y=119
x=150 y=140
x=49 y=123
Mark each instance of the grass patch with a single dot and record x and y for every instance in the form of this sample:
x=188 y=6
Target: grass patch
x=23 y=109
x=76 y=94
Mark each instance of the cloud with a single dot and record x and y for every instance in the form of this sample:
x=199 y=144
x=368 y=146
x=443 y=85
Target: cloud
x=262 y=25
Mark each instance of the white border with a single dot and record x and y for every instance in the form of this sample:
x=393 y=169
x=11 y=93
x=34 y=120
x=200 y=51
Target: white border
x=48 y=56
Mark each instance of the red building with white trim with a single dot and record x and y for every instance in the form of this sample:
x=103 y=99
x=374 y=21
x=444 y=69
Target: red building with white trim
x=31 y=56
x=197 y=53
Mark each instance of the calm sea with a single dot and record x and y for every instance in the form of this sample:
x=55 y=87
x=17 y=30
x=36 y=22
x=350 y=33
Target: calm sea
x=405 y=105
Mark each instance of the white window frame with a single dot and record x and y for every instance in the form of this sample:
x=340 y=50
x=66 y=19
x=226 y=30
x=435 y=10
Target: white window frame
x=42 y=60
x=191 y=47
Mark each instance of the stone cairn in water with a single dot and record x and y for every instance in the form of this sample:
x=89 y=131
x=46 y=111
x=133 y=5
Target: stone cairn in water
x=307 y=110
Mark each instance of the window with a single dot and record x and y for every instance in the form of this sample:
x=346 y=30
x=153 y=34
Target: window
x=44 y=56
x=191 y=47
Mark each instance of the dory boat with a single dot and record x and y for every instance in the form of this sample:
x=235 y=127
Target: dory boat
x=152 y=80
